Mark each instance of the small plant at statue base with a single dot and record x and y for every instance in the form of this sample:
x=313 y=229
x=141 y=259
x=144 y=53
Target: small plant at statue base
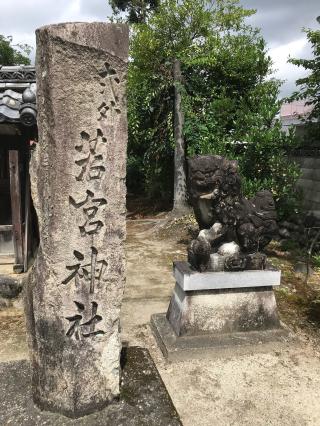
x=316 y=260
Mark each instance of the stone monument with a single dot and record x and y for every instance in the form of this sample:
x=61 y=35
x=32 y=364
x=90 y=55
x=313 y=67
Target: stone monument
x=78 y=174
x=224 y=294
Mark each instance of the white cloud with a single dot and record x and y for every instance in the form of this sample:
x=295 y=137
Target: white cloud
x=281 y=22
x=286 y=71
x=21 y=21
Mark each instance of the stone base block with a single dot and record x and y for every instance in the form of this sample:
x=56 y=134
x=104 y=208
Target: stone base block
x=192 y=313
x=191 y=280
x=211 y=346
x=219 y=312
x=144 y=399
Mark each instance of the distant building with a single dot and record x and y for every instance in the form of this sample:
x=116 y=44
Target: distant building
x=307 y=155
x=18 y=130
x=293 y=114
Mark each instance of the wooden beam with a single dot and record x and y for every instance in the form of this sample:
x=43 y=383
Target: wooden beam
x=15 y=193
x=6 y=228
x=26 y=220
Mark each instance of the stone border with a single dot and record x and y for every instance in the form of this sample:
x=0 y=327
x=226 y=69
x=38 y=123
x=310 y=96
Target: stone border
x=144 y=399
x=207 y=346
x=190 y=280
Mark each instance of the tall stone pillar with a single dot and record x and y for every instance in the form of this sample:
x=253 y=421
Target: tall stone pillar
x=78 y=188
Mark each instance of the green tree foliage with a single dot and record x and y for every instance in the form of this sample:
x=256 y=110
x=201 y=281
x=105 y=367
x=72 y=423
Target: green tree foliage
x=232 y=111
x=310 y=85
x=13 y=54
x=229 y=100
x=137 y=10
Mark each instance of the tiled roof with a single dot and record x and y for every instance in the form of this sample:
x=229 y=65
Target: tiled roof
x=18 y=95
x=25 y=73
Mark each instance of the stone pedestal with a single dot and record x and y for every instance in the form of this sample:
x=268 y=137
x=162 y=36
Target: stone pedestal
x=215 y=310
x=222 y=302
x=78 y=188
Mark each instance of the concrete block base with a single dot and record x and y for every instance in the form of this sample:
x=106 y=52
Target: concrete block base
x=191 y=280
x=181 y=348
x=222 y=311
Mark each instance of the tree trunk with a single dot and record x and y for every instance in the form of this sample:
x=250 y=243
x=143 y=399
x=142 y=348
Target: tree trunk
x=180 y=205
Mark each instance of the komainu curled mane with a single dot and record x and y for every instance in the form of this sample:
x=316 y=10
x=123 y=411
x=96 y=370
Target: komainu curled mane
x=225 y=216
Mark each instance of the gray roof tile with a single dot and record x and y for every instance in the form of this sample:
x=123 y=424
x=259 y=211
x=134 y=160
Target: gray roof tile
x=18 y=95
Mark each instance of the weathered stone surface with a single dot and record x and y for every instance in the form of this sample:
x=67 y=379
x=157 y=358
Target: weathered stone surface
x=144 y=400
x=229 y=249
x=216 y=263
x=193 y=313
x=78 y=188
x=212 y=346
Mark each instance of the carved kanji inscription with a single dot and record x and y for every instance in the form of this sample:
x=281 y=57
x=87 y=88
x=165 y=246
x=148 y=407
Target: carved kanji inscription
x=90 y=270
x=91 y=163
x=92 y=208
x=79 y=328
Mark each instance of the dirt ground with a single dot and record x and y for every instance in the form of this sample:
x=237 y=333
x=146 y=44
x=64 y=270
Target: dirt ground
x=276 y=388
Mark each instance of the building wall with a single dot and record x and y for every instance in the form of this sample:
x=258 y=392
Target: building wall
x=309 y=183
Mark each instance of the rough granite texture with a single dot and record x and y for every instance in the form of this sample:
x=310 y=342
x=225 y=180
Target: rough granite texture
x=144 y=400
x=78 y=173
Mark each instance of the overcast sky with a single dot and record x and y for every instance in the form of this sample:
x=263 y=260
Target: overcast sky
x=281 y=22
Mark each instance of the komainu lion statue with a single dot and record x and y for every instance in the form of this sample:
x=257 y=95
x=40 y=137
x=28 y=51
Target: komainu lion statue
x=233 y=229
